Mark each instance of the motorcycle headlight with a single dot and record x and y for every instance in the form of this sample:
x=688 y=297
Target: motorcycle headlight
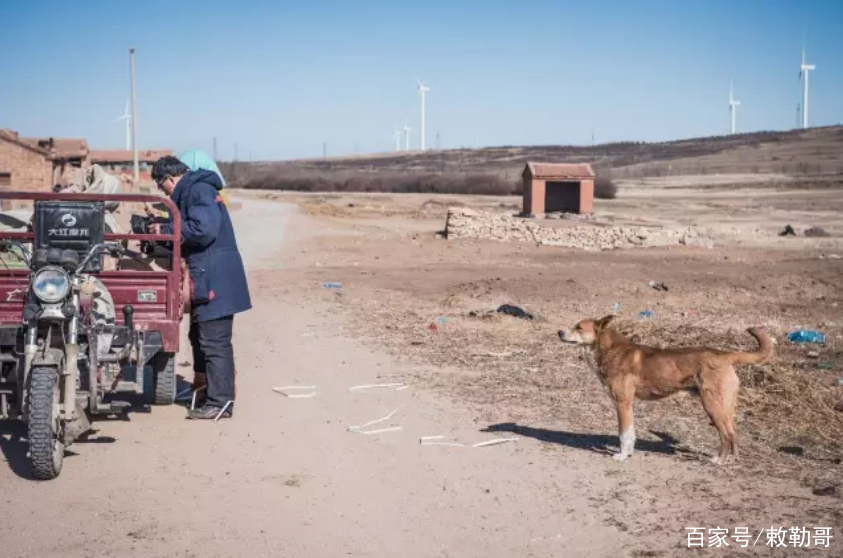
x=50 y=285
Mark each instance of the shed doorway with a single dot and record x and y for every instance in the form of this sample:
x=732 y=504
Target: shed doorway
x=562 y=196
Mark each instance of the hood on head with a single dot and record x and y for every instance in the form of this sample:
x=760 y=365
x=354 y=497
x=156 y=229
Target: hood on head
x=203 y=175
x=197 y=159
x=193 y=177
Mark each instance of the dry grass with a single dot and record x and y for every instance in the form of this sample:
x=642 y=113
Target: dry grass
x=518 y=372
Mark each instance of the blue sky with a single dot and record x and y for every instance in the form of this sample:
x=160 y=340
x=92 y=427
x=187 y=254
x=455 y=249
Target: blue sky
x=280 y=78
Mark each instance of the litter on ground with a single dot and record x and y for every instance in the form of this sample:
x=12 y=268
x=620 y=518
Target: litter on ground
x=359 y=429
x=515 y=312
x=806 y=336
x=284 y=389
x=436 y=441
x=397 y=386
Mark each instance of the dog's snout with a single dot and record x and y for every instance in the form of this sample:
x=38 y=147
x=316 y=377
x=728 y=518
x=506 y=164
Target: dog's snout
x=562 y=334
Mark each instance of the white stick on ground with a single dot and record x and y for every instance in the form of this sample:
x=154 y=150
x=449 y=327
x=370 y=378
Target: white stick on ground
x=402 y=388
x=367 y=386
x=193 y=399
x=223 y=410
x=283 y=391
x=370 y=423
x=494 y=442
x=431 y=441
x=390 y=429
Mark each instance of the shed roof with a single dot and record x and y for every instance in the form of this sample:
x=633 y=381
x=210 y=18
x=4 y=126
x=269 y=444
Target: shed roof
x=125 y=156
x=560 y=170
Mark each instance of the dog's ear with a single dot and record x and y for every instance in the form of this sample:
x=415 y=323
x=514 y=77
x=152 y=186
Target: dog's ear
x=603 y=323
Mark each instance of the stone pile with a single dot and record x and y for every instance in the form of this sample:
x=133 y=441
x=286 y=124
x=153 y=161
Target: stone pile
x=470 y=223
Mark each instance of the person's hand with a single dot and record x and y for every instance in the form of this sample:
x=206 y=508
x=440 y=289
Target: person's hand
x=155 y=228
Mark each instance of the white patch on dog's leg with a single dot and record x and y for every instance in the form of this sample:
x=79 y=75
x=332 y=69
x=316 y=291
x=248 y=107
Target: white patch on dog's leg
x=627 y=444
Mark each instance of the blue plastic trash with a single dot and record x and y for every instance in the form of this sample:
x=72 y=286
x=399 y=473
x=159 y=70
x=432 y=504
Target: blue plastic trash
x=805 y=336
x=646 y=313
x=332 y=285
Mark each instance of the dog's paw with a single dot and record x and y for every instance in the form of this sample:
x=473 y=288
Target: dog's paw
x=620 y=456
x=717 y=461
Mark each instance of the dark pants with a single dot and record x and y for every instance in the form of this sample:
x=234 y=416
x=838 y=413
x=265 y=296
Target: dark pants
x=213 y=356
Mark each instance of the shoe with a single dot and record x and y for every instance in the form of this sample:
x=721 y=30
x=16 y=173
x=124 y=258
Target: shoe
x=208 y=412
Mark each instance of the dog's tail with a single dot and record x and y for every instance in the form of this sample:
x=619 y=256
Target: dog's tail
x=762 y=355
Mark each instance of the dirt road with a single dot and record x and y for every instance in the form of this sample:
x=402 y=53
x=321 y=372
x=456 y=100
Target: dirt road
x=286 y=478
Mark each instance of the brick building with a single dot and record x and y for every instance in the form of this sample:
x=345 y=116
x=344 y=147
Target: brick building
x=550 y=187
x=25 y=166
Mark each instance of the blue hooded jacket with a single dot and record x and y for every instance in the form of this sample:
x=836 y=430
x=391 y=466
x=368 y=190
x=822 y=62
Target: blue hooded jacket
x=208 y=243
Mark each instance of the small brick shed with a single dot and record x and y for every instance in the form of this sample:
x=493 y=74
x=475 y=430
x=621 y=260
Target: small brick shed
x=550 y=187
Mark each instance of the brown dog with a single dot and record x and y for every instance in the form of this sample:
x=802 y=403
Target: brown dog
x=629 y=371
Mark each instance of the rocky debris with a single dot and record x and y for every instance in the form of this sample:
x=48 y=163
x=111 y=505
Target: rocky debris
x=470 y=223
x=570 y=216
x=816 y=232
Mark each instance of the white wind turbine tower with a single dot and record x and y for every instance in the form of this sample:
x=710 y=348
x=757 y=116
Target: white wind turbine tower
x=406 y=136
x=803 y=73
x=733 y=106
x=422 y=91
x=396 y=133
x=127 y=116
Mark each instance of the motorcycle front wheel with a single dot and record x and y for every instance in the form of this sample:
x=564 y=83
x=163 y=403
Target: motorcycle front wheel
x=46 y=448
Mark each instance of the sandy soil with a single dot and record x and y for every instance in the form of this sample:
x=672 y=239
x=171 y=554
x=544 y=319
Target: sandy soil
x=286 y=478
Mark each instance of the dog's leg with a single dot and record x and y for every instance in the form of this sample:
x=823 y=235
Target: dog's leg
x=626 y=428
x=719 y=392
x=731 y=388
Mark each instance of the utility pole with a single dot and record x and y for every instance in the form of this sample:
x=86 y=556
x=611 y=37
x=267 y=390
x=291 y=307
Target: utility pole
x=235 y=151
x=134 y=118
x=438 y=141
x=215 y=149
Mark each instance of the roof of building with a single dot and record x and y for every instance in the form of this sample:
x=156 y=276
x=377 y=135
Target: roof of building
x=13 y=137
x=125 y=156
x=559 y=170
x=61 y=148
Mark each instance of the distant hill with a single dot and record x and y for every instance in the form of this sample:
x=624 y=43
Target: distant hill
x=817 y=151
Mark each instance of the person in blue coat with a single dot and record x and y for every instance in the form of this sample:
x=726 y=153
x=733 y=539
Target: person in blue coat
x=219 y=288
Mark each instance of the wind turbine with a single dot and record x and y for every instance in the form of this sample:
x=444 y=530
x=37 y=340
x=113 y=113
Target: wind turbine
x=406 y=136
x=733 y=106
x=127 y=116
x=422 y=91
x=396 y=133
x=803 y=73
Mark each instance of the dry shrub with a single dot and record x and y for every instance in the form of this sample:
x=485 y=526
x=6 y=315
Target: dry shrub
x=472 y=184
x=605 y=188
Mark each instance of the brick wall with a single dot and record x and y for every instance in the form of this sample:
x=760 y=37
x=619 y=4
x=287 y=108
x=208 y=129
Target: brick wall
x=30 y=171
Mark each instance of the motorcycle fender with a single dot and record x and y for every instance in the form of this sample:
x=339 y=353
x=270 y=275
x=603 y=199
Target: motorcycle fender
x=50 y=357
